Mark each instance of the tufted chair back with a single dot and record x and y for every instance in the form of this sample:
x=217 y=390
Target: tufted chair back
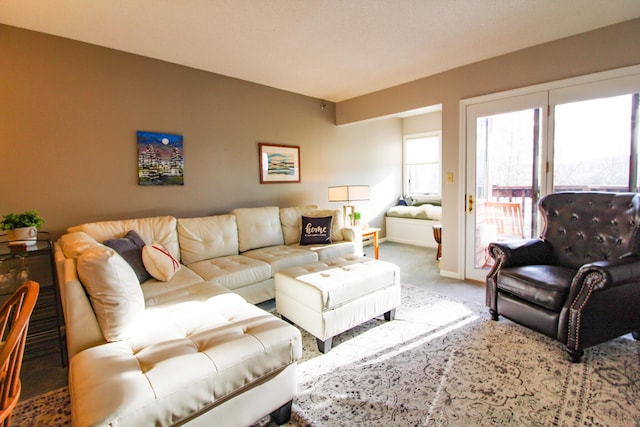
x=587 y=227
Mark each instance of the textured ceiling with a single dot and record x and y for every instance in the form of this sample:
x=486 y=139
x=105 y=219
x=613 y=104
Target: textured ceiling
x=328 y=49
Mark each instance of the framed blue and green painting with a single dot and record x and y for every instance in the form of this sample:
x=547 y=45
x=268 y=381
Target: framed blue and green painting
x=279 y=163
x=160 y=159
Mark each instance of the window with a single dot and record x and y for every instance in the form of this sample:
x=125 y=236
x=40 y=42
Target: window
x=422 y=171
x=595 y=144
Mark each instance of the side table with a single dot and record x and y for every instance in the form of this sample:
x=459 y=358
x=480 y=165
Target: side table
x=371 y=231
x=45 y=326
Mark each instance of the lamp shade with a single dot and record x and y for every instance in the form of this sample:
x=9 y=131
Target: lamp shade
x=348 y=193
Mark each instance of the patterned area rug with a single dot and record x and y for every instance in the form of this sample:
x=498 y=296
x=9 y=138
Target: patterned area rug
x=50 y=409
x=442 y=362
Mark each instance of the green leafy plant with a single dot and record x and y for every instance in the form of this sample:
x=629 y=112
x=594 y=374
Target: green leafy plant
x=24 y=219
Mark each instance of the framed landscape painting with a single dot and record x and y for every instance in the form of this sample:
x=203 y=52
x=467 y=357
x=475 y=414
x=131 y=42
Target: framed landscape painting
x=160 y=159
x=279 y=163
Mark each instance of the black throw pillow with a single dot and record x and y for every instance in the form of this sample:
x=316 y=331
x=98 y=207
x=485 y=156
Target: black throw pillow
x=130 y=248
x=315 y=230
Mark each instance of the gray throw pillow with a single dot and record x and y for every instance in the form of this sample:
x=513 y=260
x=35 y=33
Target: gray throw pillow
x=130 y=248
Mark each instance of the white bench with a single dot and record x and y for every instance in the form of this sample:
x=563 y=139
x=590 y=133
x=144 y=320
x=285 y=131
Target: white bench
x=329 y=297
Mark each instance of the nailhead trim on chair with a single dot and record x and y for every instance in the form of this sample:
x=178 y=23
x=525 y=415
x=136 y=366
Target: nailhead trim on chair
x=575 y=317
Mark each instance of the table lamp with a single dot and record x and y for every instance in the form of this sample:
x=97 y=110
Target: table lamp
x=349 y=193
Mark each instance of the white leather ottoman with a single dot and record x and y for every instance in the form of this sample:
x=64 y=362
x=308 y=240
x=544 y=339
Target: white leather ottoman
x=329 y=297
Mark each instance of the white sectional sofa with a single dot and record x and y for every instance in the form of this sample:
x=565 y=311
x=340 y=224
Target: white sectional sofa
x=186 y=346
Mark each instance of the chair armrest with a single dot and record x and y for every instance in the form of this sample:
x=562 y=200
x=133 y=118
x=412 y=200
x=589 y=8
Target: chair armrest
x=511 y=254
x=520 y=252
x=602 y=292
x=609 y=274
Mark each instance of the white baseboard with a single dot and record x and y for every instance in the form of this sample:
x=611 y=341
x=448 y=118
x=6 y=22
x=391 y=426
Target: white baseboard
x=451 y=274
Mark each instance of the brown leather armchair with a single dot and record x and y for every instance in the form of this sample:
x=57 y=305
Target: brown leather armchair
x=579 y=282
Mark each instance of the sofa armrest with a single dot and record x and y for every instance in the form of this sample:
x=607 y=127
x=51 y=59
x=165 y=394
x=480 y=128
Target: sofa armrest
x=81 y=325
x=353 y=234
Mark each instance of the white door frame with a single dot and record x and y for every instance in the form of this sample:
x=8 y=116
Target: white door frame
x=625 y=77
x=527 y=101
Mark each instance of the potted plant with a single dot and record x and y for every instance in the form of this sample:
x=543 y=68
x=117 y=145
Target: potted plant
x=22 y=228
x=355 y=218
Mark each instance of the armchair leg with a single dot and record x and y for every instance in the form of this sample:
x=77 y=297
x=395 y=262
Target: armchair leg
x=494 y=314
x=575 y=355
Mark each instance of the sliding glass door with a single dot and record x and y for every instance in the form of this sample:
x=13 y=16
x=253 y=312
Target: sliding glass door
x=503 y=174
x=568 y=138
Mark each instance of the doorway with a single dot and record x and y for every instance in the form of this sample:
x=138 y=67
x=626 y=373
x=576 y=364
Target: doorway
x=503 y=174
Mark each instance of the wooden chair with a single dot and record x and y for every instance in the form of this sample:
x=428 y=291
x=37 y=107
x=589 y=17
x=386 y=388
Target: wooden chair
x=505 y=222
x=507 y=219
x=14 y=321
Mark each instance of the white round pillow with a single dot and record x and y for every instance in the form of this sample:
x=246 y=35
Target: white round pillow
x=159 y=262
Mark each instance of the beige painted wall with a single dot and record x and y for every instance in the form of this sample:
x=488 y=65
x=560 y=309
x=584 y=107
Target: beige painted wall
x=69 y=113
x=604 y=49
x=430 y=122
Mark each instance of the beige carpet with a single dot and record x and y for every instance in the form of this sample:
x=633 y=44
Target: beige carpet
x=442 y=362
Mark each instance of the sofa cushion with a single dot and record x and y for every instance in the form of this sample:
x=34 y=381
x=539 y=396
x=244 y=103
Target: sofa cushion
x=191 y=354
x=154 y=229
x=207 y=237
x=158 y=291
x=74 y=244
x=544 y=285
x=258 y=227
x=291 y=221
x=130 y=248
x=335 y=249
x=316 y=230
x=283 y=256
x=114 y=291
x=233 y=271
x=159 y=261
